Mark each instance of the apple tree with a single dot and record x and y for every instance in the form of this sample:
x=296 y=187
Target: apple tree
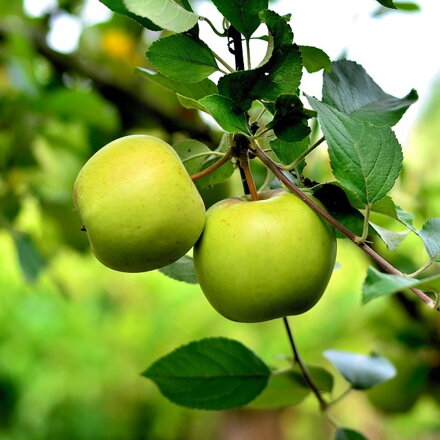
x=270 y=253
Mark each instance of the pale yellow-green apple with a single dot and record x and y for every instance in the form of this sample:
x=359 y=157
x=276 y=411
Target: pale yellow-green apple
x=260 y=260
x=138 y=204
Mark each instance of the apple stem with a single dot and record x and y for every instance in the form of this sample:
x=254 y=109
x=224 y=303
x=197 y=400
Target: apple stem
x=243 y=163
x=297 y=358
x=212 y=167
x=384 y=264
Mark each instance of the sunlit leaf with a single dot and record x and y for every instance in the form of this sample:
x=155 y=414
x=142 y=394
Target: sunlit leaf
x=361 y=371
x=165 y=13
x=119 y=7
x=378 y=284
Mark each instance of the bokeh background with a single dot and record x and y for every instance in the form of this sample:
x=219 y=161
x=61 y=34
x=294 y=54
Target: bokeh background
x=75 y=336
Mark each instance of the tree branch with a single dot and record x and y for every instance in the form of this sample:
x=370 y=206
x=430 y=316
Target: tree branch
x=384 y=264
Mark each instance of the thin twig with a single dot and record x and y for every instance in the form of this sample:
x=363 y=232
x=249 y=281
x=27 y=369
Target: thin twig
x=365 y=229
x=384 y=264
x=420 y=270
x=204 y=153
x=248 y=54
x=322 y=403
x=244 y=164
x=211 y=25
x=222 y=61
x=298 y=160
x=212 y=168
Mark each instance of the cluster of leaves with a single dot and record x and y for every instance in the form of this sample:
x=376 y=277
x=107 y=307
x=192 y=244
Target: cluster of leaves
x=355 y=115
x=356 y=118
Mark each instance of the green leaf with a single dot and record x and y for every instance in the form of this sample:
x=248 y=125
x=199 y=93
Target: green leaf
x=353 y=92
x=213 y=373
x=387 y=3
x=315 y=59
x=337 y=203
x=280 y=33
x=290 y=119
x=281 y=75
x=430 y=234
x=348 y=434
x=242 y=14
x=287 y=152
x=407 y=6
x=391 y=238
x=366 y=159
x=194 y=91
x=284 y=389
x=182 y=58
x=165 y=13
x=119 y=7
x=181 y=270
x=29 y=257
x=223 y=110
x=379 y=284
x=361 y=371
x=189 y=151
x=218 y=176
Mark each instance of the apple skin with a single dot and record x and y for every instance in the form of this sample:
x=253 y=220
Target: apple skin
x=265 y=259
x=138 y=204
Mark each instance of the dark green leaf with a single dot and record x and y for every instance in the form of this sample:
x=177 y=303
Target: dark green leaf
x=337 y=203
x=361 y=371
x=379 y=284
x=387 y=3
x=189 y=151
x=181 y=270
x=366 y=159
x=290 y=119
x=280 y=33
x=31 y=261
x=391 y=238
x=430 y=234
x=195 y=91
x=182 y=58
x=119 y=7
x=242 y=14
x=281 y=75
x=223 y=110
x=214 y=373
x=315 y=59
x=348 y=434
x=165 y=13
x=287 y=152
x=353 y=92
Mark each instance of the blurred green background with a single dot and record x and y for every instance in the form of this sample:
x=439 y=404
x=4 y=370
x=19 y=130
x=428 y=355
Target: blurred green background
x=75 y=336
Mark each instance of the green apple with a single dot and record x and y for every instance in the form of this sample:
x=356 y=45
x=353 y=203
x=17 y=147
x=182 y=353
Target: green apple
x=138 y=204
x=260 y=260
x=399 y=394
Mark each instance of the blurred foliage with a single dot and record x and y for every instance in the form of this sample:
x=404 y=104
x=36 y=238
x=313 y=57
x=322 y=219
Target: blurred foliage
x=74 y=336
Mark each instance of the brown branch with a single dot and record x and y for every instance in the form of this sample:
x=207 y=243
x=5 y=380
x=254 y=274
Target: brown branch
x=244 y=165
x=384 y=264
x=128 y=92
x=212 y=167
